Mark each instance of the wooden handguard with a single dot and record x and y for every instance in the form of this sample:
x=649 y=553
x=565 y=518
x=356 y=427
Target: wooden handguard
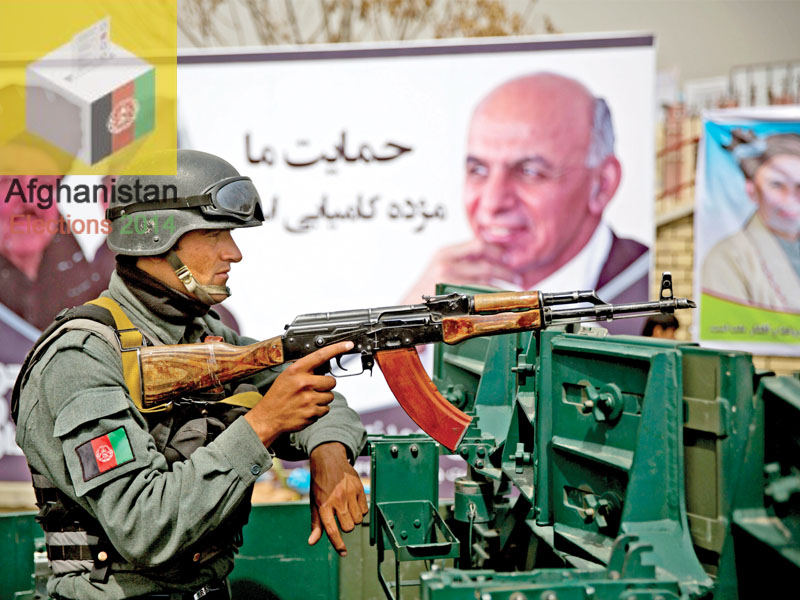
x=457 y=329
x=501 y=301
x=169 y=371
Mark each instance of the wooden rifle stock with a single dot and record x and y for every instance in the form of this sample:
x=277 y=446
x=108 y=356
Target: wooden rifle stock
x=501 y=301
x=168 y=371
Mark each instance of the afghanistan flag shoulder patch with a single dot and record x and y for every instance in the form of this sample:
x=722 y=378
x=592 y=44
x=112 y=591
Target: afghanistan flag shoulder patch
x=101 y=454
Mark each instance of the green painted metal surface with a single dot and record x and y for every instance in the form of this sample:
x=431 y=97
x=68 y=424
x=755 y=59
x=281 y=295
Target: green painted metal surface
x=276 y=561
x=619 y=436
x=619 y=469
x=545 y=585
x=404 y=518
x=17 y=534
x=598 y=468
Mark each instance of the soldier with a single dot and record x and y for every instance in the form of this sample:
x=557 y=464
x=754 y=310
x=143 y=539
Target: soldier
x=140 y=503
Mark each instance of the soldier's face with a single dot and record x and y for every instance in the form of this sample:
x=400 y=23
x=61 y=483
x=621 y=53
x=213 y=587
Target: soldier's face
x=209 y=253
x=776 y=189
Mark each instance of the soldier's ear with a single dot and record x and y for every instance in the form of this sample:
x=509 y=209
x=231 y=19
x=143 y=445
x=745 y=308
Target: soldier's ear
x=605 y=184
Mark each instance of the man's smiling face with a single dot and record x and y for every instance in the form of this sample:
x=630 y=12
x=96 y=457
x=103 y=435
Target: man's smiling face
x=527 y=187
x=776 y=189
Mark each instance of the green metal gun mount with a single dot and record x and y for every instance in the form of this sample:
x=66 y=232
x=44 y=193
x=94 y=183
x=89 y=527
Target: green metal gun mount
x=404 y=514
x=603 y=467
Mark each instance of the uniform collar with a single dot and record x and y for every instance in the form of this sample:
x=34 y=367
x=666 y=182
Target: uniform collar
x=168 y=303
x=151 y=316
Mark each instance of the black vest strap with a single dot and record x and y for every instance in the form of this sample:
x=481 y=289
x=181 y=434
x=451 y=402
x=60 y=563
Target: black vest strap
x=84 y=311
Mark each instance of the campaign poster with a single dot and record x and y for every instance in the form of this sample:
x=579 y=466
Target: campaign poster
x=747 y=230
x=360 y=156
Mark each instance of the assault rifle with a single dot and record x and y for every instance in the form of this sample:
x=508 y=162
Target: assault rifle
x=388 y=335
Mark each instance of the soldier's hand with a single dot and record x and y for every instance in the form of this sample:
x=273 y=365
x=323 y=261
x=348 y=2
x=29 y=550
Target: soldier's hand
x=472 y=262
x=336 y=493
x=297 y=397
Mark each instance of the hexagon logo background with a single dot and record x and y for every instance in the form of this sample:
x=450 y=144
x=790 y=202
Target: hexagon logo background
x=99 y=79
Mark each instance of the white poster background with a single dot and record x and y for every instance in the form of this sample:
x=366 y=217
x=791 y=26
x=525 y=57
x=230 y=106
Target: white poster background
x=298 y=109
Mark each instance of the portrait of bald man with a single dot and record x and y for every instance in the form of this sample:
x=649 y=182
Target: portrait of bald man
x=540 y=170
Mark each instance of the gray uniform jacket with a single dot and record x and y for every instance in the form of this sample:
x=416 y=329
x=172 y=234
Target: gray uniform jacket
x=151 y=512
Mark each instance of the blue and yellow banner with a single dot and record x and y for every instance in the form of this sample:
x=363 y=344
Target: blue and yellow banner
x=747 y=230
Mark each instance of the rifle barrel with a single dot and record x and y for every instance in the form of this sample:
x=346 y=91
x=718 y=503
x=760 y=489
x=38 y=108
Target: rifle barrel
x=608 y=312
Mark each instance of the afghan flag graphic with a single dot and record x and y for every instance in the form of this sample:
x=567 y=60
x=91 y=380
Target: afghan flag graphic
x=104 y=453
x=123 y=115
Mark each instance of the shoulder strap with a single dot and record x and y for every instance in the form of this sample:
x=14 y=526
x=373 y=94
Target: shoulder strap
x=104 y=317
x=129 y=340
x=94 y=318
x=129 y=337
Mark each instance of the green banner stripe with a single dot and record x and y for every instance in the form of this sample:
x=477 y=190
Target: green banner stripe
x=726 y=321
x=145 y=94
x=122 y=447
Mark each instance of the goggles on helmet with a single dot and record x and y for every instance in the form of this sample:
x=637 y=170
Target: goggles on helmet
x=235 y=197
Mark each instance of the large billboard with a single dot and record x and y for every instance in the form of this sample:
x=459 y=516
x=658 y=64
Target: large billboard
x=519 y=164
x=516 y=163
x=361 y=158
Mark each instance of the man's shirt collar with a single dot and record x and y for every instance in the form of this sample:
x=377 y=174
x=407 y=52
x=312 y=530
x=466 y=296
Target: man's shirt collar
x=582 y=272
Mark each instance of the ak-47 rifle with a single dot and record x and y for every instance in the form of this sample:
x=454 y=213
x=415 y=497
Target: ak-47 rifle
x=390 y=336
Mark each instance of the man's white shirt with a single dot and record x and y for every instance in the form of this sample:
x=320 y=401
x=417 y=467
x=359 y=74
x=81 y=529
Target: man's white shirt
x=580 y=273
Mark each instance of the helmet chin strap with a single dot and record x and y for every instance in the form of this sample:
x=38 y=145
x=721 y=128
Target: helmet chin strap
x=202 y=292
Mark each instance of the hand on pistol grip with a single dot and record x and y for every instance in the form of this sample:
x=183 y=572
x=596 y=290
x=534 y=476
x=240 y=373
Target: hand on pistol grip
x=298 y=396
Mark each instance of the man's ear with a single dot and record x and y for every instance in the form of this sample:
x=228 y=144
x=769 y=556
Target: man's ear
x=750 y=188
x=605 y=185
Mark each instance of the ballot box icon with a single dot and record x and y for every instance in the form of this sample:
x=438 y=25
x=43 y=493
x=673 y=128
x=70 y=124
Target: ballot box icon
x=90 y=97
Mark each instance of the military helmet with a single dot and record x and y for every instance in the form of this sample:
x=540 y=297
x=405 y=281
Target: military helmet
x=149 y=213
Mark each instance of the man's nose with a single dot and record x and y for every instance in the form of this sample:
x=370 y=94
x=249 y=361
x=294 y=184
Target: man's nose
x=230 y=251
x=498 y=194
